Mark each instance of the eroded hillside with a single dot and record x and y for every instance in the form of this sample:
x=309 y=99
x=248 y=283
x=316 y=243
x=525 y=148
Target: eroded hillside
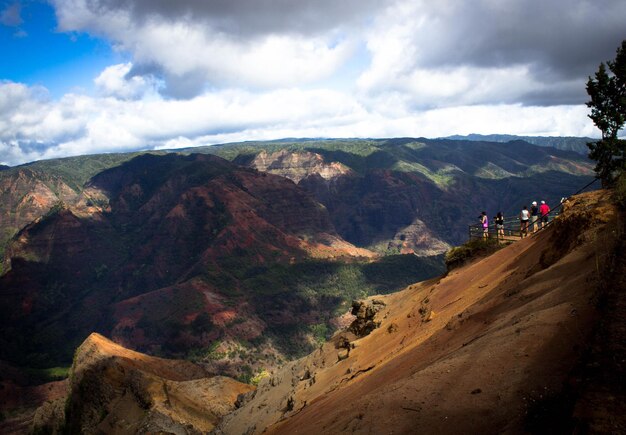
x=488 y=348
x=508 y=343
x=187 y=256
x=116 y=390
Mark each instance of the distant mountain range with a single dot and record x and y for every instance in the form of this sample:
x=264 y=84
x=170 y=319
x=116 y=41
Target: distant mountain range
x=246 y=258
x=577 y=144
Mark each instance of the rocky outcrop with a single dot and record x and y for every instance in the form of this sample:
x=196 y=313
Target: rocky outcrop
x=298 y=165
x=417 y=238
x=115 y=390
x=365 y=312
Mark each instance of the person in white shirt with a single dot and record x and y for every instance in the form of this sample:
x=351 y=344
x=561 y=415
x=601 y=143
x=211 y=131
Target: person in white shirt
x=523 y=219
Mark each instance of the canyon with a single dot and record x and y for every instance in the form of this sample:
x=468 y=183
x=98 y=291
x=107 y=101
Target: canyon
x=242 y=257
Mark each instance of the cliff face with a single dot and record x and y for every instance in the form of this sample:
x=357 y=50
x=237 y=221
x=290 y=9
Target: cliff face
x=26 y=195
x=116 y=390
x=298 y=165
x=491 y=347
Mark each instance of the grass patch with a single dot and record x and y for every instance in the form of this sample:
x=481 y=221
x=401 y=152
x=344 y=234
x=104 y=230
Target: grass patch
x=475 y=248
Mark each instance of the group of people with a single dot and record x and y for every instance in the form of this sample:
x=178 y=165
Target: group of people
x=531 y=219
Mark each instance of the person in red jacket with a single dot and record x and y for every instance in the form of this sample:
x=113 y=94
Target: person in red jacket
x=544 y=211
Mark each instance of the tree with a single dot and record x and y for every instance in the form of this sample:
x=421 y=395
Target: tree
x=608 y=112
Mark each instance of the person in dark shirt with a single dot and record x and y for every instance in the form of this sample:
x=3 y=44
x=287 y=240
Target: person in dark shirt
x=534 y=214
x=499 y=220
x=544 y=211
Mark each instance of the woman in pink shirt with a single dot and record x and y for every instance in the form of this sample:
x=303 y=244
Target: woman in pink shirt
x=544 y=211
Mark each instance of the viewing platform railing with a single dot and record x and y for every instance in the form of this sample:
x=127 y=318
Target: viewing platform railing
x=512 y=225
x=512 y=231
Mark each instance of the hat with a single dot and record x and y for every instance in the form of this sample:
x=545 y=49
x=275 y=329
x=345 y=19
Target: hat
x=534 y=202
x=543 y=202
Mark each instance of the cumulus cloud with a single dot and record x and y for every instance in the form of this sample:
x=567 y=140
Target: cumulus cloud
x=211 y=71
x=35 y=127
x=117 y=81
x=533 y=52
x=243 y=19
x=441 y=53
x=195 y=44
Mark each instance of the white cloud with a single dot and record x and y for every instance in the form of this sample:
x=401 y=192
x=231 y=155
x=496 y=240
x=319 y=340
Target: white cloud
x=115 y=81
x=191 y=55
x=206 y=72
x=448 y=53
x=35 y=127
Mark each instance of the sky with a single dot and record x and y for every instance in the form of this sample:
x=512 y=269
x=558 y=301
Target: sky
x=90 y=76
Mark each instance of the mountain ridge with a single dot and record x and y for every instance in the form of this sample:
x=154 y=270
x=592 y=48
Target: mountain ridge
x=568 y=143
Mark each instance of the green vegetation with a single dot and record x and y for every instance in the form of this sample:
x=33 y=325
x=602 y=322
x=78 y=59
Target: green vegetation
x=246 y=374
x=347 y=281
x=76 y=171
x=460 y=255
x=349 y=147
x=320 y=332
x=324 y=289
x=441 y=178
x=198 y=354
x=259 y=376
x=608 y=112
x=41 y=376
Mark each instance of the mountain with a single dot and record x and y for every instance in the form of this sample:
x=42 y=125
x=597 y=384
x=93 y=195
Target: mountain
x=526 y=340
x=187 y=256
x=426 y=183
x=415 y=195
x=576 y=144
x=499 y=345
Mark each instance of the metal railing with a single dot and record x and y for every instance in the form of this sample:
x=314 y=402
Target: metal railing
x=512 y=230
x=512 y=226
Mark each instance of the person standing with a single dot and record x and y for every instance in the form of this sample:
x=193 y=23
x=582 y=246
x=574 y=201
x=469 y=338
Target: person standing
x=485 y=223
x=534 y=213
x=544 y=211
x=499 y=225
x=524 y=216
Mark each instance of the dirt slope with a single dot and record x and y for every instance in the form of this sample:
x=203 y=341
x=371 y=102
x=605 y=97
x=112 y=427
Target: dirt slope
x=485 y=349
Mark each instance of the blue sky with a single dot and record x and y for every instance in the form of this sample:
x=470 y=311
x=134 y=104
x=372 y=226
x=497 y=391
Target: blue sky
x=87 y=76
x=41 y=55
